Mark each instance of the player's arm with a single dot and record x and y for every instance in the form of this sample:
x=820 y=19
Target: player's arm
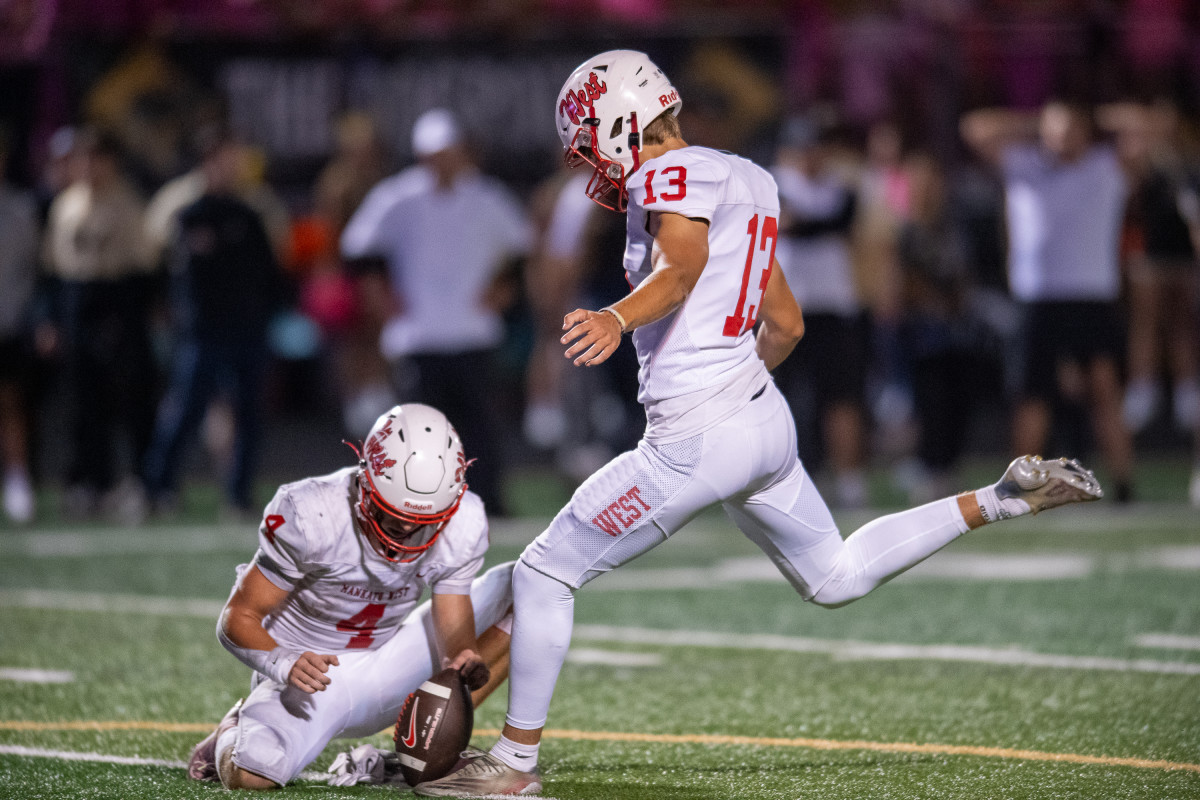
x=678 y=257
x=241 y=631
x=781 y=321
x=454 y=626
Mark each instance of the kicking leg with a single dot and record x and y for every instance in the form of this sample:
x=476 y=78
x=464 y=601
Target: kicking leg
x=511 y=766
x=804 y=543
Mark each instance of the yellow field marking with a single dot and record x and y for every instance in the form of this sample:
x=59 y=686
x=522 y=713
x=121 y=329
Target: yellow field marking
x=668 y=738
x=879 y=747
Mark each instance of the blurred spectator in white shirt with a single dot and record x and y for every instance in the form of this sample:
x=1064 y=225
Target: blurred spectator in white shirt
x=451 y=240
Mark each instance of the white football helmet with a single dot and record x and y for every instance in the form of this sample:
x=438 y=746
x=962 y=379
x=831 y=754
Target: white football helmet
x=602 y=110
x=411 y=479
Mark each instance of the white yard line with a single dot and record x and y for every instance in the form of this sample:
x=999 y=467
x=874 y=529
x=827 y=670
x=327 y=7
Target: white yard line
x=1168 y=641
x=36 y=675
x=68 y=755
x=613 y=658
x=111 y=603
x=710 y=529
x=837 y=648
x=103 y=758
x=125 y=541
x=1043 y=566
x=853 y=650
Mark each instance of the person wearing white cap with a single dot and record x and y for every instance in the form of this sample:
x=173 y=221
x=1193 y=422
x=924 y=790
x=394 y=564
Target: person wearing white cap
x=448 y=237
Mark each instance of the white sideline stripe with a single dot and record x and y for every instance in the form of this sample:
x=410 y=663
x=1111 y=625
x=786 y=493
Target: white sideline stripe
x=68 y=755
x=613 y=658
x=103 y=758
x=36 y=675
x=1183 y=557
x=839 y=648
x=116 y=603
x=192 y=539
x=854 y=650
x=1168 y=641
x=164 y=540
x=1047 y=566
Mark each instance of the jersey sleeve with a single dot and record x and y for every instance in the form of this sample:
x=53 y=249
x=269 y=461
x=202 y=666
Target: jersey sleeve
x=366 y=233
x=464 y=560
x=282 y=547
x=512 y=228
x=675 y=183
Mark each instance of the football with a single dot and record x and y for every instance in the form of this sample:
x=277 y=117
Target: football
x=434 y=727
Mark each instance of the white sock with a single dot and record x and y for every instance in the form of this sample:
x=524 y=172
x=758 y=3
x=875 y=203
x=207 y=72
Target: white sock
x=995 y=508
x=225 y=741
x=521 y=757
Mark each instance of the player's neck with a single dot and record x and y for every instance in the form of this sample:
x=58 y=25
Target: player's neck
x=650 y=151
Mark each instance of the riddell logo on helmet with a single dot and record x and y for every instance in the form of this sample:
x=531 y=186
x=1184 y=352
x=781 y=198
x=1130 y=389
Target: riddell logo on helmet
x=376 y=455
x=667 y=99
x=418 y=506
x=580 y=100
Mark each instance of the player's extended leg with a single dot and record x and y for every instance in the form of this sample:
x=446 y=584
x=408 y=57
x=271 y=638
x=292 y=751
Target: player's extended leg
x=806 y=547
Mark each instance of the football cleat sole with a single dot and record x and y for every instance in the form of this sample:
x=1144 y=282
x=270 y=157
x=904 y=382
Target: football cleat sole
x=483 y=776
x=1048 y=484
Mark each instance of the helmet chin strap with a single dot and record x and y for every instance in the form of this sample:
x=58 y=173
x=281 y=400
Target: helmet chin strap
x=635 y=141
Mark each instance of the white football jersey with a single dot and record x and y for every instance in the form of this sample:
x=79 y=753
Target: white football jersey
x=698 y=364
x=343 y=595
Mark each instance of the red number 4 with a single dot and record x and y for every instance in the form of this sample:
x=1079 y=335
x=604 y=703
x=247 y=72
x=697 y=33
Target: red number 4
x=362 y=625
x=739 y=323
x=679 y=183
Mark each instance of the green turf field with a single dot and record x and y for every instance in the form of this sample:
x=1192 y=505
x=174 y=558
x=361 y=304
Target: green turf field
x=1056 y=657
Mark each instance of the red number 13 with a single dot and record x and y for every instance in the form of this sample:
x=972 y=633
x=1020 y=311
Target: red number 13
x=678 y=183
x=739 y=323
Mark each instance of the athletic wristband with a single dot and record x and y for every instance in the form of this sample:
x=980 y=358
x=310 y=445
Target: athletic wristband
x=617 y=314
x=275 y=664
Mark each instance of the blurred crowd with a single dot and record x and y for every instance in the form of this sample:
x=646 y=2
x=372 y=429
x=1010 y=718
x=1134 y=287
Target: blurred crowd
x=1026 y=280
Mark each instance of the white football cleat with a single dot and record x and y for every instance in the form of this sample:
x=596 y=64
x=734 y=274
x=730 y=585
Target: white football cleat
x=202 y=766
x=485 y=776
x=1048 y=484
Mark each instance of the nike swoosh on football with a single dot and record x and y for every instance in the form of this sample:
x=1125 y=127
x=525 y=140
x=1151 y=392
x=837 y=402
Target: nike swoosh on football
x=411 y=738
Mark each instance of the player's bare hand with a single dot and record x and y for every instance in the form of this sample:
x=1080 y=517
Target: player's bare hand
x=596 y=335
x=473 y=669
x=308 y=673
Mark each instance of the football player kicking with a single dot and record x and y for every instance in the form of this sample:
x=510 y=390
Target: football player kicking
x=326 y=613
x=701 y=228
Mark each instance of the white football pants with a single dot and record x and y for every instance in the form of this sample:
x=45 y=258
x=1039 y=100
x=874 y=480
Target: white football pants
x=282 y=729
x=748 y=463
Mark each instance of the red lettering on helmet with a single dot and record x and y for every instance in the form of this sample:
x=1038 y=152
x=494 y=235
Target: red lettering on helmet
x=271 y=524
x=418 y=506
x=667 y=99
x=375 y=453
x=581 y=99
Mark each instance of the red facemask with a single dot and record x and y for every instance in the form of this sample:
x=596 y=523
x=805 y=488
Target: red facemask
x=607 y=184
x=372 y=508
